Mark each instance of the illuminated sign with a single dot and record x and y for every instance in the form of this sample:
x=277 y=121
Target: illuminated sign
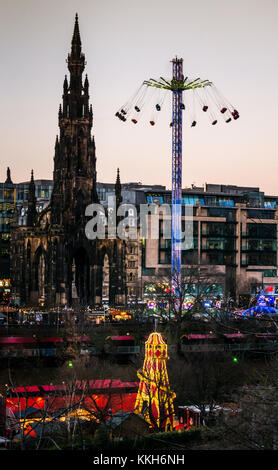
x=270 y=289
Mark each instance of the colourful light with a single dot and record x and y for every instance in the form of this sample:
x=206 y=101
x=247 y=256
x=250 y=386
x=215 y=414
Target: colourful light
x=154 y=400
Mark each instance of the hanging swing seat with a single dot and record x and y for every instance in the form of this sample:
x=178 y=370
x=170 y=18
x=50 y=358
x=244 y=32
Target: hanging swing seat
x=137 y=109
x=193 y=124
x=171 y=124
x=205 y=108
x=158 y=107
x=152 y=123
x=182 y=106
x=214 y=122
x=229 y=120
x=134 y=120
x=123 y=111
x=223 y=110
x=235 y=114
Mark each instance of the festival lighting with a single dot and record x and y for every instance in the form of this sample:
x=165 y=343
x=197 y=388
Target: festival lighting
x=154 y=400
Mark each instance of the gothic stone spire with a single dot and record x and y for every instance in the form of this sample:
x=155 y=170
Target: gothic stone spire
x=31 y=211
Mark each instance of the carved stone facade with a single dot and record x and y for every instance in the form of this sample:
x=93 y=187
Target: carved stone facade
x=52 y=261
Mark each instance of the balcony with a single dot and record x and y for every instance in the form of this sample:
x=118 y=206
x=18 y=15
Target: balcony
x=211 y=234
x=246 y=249
x=217 y=248
x=267 y=346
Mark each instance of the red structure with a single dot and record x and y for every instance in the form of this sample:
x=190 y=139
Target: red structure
x=112 y=394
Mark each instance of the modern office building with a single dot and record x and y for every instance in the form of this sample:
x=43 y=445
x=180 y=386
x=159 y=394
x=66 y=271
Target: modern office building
x=234 y=232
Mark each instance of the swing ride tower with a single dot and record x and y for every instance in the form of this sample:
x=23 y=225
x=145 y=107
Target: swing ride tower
x=177 y=85
x=176 y=173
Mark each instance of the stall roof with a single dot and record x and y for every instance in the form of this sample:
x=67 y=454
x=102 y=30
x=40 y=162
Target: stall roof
x=111 y=384
x=121 y=338
x=27 y=389
x=16 y=340
x=53 y=388
x=192 y=336
x=105 y=384
x=80 y=338
x=267 y=335
x=50 y=340
x=234 y=335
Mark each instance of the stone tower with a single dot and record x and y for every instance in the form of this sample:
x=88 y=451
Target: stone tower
x=74 y=176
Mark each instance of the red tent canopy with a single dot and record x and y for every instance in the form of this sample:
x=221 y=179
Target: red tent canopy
x=80 y=338
x=234 y=335
x=16 y=340
x=50 y=340
x=122 y=338
x=192 y=336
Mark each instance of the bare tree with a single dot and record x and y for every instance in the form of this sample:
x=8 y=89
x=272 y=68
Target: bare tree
x=196 y=282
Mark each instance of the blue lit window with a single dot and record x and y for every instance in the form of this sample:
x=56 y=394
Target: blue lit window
x=270 y=204
x=226 y=202
x=192 y=200
x=154 y=199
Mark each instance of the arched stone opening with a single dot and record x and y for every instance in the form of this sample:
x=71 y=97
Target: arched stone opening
x=81 y=277
x=40 y=275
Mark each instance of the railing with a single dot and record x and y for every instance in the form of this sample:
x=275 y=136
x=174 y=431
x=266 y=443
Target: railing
x=125 y=350
x=39 y=352
x=36 y=352
x=208 y=233
x=260 y=249
x=218 y=248
x=186 y=348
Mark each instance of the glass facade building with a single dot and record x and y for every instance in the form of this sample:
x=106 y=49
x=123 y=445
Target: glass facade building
x=234 y=231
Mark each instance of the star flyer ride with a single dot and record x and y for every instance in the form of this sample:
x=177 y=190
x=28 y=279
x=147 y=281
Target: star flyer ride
x=212 y=103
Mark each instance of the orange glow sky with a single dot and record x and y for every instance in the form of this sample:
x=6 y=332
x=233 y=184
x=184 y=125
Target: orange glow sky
x=125 y=42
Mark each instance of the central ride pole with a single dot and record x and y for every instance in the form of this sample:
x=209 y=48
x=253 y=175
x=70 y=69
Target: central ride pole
x=177 y=85
x=176 y=176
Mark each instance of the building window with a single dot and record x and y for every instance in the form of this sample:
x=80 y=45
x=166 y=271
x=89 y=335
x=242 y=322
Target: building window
x=270 y=272
x=262 y=230
x=260 y=214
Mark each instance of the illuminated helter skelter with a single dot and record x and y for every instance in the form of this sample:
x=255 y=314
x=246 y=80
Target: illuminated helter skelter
x=211 y=99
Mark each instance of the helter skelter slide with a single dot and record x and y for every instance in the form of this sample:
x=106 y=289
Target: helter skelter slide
x=210 y=101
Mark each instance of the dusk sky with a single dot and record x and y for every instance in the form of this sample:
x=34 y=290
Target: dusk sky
x=231 y=43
